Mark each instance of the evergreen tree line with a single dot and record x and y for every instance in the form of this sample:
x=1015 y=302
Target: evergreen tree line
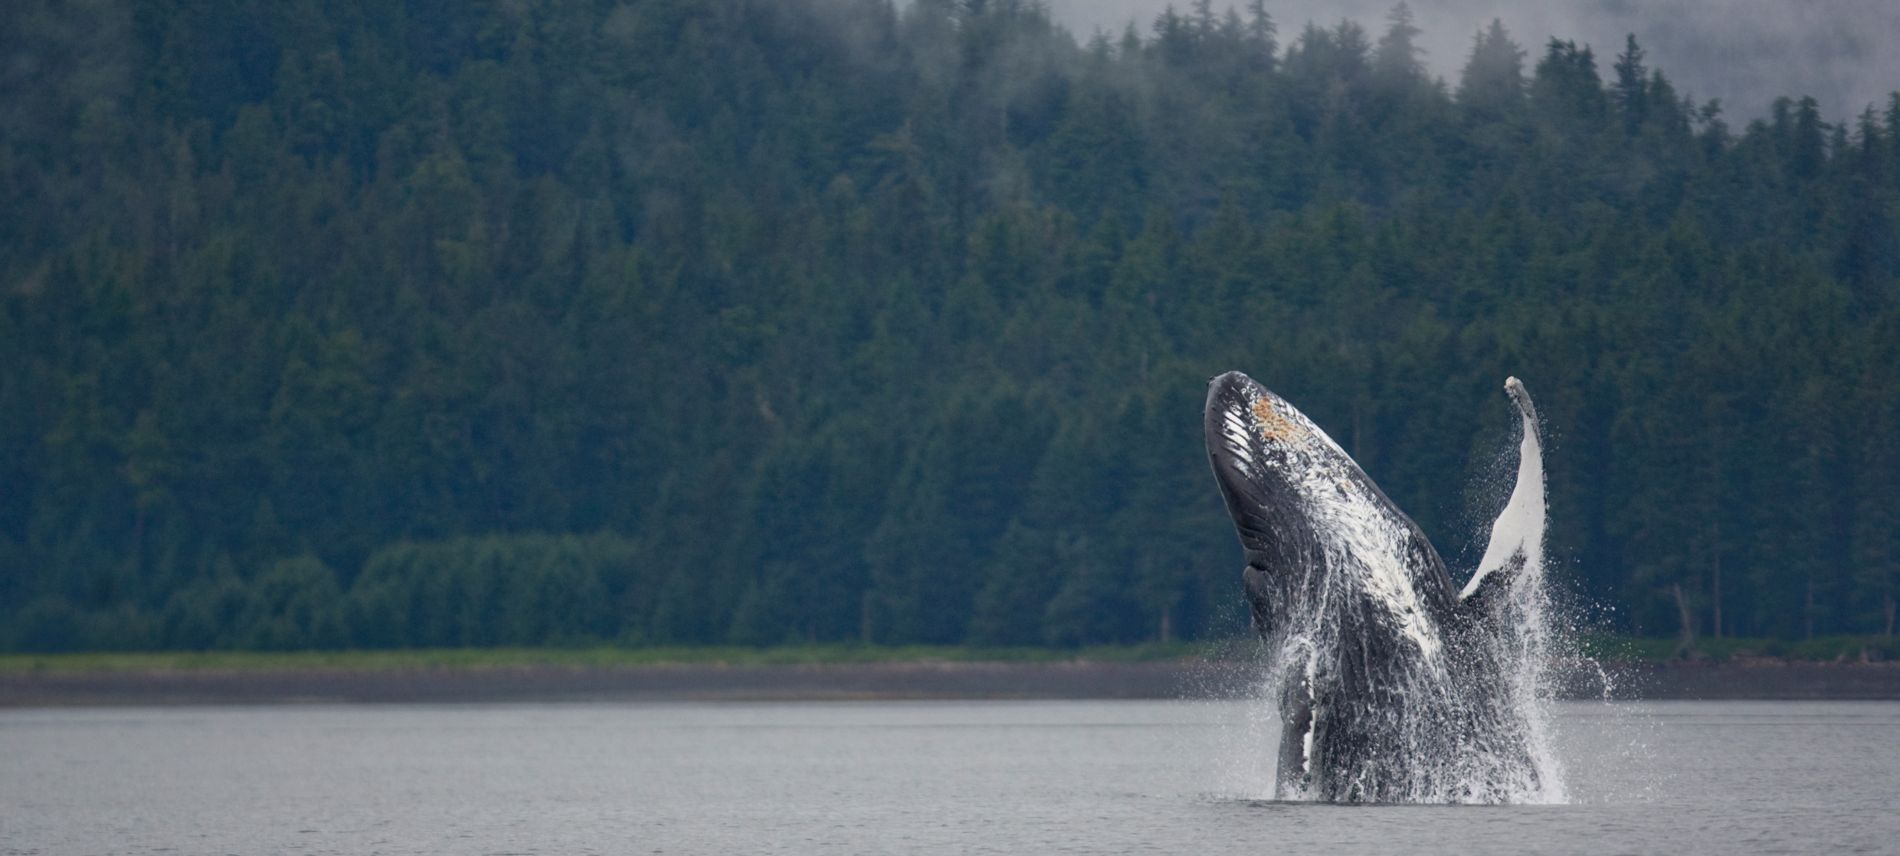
x=410 y=323
x=487 y=591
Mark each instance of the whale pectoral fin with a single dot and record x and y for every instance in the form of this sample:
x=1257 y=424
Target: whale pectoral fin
x=1293 y=772
x=1259 y=598
x=1489 y=586
x=1518 y=532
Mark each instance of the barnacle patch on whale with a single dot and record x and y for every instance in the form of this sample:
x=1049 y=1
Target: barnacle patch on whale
x=1273 y=426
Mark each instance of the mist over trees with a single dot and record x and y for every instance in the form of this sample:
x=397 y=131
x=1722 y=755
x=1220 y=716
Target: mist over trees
x=1745 y=54
x=421 y=323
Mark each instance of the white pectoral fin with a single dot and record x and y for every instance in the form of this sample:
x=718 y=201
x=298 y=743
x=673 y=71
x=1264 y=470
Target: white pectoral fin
x=1517 y=536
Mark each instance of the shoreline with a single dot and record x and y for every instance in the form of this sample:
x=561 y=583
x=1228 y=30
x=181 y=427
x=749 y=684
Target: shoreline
x=905 y=680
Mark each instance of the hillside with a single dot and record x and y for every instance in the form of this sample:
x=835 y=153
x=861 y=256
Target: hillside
x=405 y=324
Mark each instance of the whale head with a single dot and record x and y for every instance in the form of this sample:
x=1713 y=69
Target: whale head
x=1309 y=518
x=1255 y=443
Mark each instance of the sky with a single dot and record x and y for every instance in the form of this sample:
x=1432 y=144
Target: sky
x=1845 y=53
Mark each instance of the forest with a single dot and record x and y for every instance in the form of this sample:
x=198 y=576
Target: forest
x=380 y=324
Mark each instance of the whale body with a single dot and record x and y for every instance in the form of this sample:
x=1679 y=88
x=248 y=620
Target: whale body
x=1394 y=684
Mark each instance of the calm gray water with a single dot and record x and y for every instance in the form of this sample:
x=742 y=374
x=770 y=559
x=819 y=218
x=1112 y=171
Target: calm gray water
x=881 y=777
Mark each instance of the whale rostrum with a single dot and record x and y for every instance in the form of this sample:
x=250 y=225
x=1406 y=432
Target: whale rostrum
x=1393 y=684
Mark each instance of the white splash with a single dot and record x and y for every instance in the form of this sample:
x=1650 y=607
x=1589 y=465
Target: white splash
x=1526 y=640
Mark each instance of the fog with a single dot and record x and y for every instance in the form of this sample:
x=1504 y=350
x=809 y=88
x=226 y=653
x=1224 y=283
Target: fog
x=1845 y=53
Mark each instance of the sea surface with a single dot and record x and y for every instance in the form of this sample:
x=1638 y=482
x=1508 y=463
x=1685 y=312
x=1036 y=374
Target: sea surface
x=901 y=777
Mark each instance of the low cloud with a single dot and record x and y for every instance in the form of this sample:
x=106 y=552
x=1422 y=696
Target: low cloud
x=1745 y=52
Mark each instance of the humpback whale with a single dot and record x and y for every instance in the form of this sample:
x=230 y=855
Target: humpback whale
x=1393 y=684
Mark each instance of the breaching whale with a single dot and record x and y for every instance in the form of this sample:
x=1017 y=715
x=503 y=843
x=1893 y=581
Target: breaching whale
x=1393 y=684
